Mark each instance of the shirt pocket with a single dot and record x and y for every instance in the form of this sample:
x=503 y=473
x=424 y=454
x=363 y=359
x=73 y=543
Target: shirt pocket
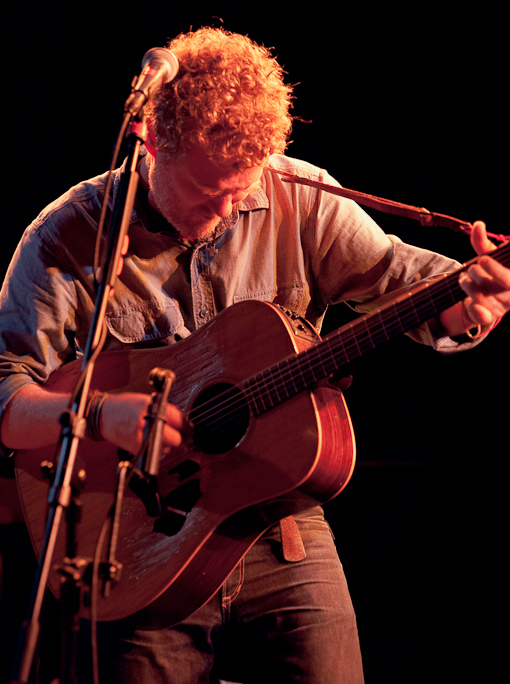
x=146 y=322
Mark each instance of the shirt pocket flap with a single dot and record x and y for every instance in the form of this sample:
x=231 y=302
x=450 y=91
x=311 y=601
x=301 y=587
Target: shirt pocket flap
x=147 y=321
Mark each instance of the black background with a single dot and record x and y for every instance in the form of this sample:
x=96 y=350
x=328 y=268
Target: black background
x=406 y=101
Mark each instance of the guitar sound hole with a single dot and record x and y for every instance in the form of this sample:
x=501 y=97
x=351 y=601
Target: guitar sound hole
x=220 y=416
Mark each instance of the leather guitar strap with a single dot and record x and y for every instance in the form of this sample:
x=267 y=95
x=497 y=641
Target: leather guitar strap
x=426 y=217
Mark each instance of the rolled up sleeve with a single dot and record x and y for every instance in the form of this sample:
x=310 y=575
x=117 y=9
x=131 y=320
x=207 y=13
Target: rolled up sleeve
x=37 y=316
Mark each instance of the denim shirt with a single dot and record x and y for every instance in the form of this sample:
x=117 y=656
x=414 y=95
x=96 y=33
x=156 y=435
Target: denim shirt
x=285 y=243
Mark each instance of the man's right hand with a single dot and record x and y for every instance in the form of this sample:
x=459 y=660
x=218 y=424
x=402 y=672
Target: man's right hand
x=32 y=419
x=123 y=420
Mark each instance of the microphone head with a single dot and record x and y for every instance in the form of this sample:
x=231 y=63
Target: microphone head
x=158 y=377
x=165 y=56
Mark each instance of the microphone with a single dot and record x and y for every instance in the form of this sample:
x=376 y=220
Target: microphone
x=145 y=484
x=158 y=376
x=159 y=65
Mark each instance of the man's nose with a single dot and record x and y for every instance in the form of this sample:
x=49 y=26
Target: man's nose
x=223 y=206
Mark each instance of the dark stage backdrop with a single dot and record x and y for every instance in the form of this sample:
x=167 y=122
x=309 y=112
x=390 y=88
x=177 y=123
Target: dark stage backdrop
x=406 y=100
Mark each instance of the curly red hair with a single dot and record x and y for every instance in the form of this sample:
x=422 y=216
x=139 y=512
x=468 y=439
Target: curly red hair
x=229 y=98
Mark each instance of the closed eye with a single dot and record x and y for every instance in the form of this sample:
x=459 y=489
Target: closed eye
x=210 y=192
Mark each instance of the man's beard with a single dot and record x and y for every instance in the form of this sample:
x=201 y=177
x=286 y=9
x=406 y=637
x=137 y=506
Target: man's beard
x=190 y=223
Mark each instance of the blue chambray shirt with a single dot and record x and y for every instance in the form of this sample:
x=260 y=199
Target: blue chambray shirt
x=285 y=243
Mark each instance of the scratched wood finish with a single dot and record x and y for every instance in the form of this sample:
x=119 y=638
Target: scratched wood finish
x=291 y=456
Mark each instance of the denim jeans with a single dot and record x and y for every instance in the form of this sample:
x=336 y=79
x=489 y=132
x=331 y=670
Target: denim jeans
x=273 y=621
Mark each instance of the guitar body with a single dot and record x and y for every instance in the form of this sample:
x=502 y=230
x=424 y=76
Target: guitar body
x=219 y=495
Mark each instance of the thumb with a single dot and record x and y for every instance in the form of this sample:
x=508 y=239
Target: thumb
x=479 y=240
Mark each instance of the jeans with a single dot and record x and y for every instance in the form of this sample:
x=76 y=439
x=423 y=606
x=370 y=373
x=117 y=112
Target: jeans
x=273 y=621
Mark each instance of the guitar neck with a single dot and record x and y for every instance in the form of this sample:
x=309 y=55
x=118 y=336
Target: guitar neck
x=338 y=349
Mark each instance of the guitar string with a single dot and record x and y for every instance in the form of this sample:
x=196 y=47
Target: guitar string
x=222 y=420
x=260 y=391
x=267 y=392
x=264 y=388
x=345 y=340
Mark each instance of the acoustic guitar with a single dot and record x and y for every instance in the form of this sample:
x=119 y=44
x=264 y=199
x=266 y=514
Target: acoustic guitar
x=271 y=437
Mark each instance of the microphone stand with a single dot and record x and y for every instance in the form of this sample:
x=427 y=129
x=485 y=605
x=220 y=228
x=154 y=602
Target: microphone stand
x=63 y=491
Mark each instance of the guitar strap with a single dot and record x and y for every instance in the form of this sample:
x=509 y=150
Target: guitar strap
x=292 y=544
x=424 y=216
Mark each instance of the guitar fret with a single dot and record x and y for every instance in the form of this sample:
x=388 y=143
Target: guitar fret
x=330 y=365
x=339 y=338
x=252 y=397
x=272 y=389
x=338 y=349
x=265 y=394
x=266 y=391
x=288 y=385
x=382 y=328
x=321 y=361
x=281 y=386
x=307 y=369
x=369 y=334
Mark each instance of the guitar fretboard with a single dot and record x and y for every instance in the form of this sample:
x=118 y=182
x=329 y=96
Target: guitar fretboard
x=337 y=350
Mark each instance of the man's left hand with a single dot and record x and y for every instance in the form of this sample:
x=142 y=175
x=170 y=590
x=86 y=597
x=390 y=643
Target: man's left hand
x=487 y=282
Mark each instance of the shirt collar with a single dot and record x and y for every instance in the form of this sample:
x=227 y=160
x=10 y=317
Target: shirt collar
x=255 y=200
